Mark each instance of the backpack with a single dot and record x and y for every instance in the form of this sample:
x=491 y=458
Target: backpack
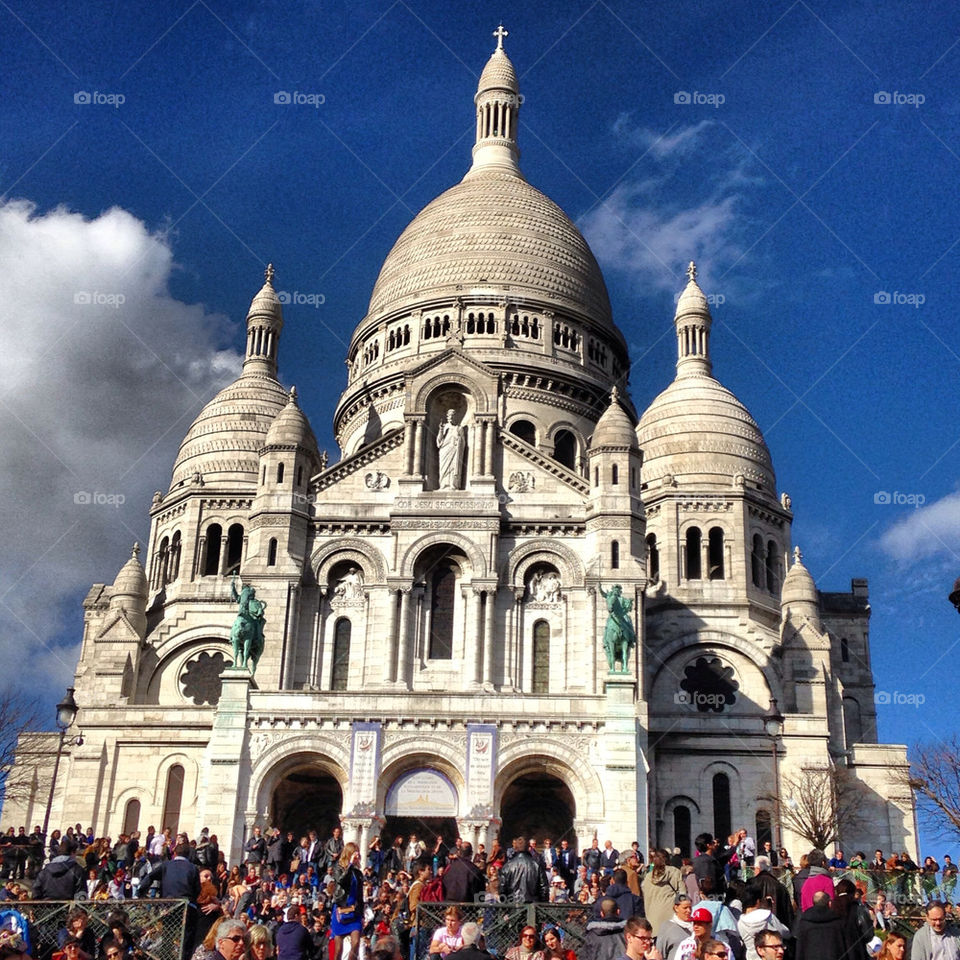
x=16 y=922
x=432 y=891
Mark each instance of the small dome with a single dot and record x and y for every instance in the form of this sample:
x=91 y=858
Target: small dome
x=615 y=428
x=700 y=434
x=131 y=581
x=291 y=428
x=798 y=585
x=266 y=303
x=223 y=443
x=498 y=74
x=692 y=300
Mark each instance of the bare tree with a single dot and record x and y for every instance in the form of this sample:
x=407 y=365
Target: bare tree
x=820 y=804
x=935 y=779
x=19 y=741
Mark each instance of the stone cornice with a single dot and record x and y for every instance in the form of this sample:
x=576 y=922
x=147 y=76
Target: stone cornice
x=558 y=470
x=357 y=461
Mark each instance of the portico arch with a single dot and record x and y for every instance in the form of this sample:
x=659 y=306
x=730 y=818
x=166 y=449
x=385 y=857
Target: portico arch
x=477 y=567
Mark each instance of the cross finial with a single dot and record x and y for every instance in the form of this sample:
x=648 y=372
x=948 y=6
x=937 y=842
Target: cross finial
x=268 y=274
x=293 y=396
x=614 y=395
x=136 y=549
x=797 y=555
x=692 y=271
x=500 y=33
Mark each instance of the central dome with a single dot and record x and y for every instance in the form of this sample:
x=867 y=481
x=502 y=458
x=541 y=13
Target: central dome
x=492 y=232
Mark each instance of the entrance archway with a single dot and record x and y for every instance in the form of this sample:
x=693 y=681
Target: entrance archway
x=421 y=801
x=537 y=805
x=307 y=798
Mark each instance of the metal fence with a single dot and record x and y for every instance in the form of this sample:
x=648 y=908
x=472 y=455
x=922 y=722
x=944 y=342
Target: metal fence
x=157 y=926
x=501 y=923
x=903 y=889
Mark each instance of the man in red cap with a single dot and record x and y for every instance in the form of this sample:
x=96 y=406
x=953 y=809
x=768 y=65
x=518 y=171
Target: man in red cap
x=702 y=920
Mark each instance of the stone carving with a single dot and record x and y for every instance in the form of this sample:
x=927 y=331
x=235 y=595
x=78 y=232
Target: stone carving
x=246 y=635
x=350 y=585
x=376 y=481
x=450 y=446
x=545 y=587
x=157 y=497
x=200 y=680
x=324 y=459
x=521 y=481
x=785 y=501
x=619 y=637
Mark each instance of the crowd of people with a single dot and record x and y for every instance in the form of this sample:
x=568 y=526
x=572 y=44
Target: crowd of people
x=303 y=898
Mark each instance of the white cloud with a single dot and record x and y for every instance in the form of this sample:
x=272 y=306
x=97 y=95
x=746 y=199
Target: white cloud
x=103 y=371
x=659 y=218
x=929 y=531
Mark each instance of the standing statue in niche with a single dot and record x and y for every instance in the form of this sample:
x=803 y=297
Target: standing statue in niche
x=350 y=585
x=619 y=637
x=545 y=587
x=246 y=636
x=450 y=450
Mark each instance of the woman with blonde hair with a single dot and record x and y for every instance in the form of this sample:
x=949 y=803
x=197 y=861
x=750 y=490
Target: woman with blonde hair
x=208 y=947
x=346 y=919
x=259 y=942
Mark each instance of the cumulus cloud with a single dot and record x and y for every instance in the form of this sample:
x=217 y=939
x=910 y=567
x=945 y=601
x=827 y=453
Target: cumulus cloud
x=103 y=372
x=932 y=530
x=659 y=218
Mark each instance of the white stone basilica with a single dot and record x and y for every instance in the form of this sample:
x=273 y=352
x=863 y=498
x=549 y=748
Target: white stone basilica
x=435 y=607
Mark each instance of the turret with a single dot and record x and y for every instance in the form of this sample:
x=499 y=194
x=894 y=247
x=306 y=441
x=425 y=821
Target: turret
x=692 y=320
x=129 y=593
x=264 y=323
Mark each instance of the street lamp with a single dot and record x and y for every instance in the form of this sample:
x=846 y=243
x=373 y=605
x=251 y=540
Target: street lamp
x=773 y=724
x=66 y=713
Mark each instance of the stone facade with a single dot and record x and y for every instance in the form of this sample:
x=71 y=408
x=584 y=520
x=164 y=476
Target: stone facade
x=435 y=606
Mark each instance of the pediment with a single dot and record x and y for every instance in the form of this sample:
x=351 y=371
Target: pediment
x=453 y=366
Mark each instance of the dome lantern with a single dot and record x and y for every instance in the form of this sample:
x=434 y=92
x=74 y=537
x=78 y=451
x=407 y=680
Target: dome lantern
x=497 y=107
x=693 y=320
x=264 y=323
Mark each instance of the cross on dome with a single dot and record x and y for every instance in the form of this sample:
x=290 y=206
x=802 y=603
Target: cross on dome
x=797 y=555
x=500 y=33
x=268 y=274
x=692 y=271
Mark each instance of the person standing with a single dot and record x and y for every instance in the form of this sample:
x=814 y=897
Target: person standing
x=820 y=932
x=522 y=878
x=937 y=939
x=256 y=852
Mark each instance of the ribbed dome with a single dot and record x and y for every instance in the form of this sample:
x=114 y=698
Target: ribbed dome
x=490 y=230
x=223 y=443
x=498 y=73
x=698 y=432
x=131 y=581
x=614 y=428
x=291 y=427
x=798 y=585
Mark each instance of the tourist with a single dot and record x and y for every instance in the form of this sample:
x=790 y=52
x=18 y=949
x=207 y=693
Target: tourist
x=661 y=886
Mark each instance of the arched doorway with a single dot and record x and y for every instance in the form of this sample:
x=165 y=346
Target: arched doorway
x=307 y=798
x=421 y=801
x=537 y=805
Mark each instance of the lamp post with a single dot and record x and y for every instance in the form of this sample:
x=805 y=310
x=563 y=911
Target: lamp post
x=773 y=724
x=66 y=713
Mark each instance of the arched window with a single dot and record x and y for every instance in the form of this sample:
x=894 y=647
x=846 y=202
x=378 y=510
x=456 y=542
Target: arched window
x=615 y=555
x=565 y=449
x=541 y=657
x=764 y=829
x=341 y=654
x=771 y=565
x=596 y=476
x=234 y=548
x=176 y=545
x=756 y=561
x=279 y=473
x=653 y=558
x=852 y=721
x=844 y=650
x=715 y=554
x=131 y=816
x=721 y=805
x=272 y=552
x=299 y=475
x=163 y=558
x=173 y=798
x=211 y=561
x=614 y=475
x=681 y=829
x=693 y=554
x=442 y=601
x=525 y=430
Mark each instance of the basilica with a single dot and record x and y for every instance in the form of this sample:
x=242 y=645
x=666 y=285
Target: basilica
x=511 y=605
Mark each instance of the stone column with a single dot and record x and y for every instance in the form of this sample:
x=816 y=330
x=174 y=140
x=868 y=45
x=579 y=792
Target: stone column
x=315 y=660
x=390 y=659
x=403 y=656
x=474 y=634
x=526 y=645
x=488 y=627
x=418 y=428
x=408 y=447
x=594 y=639
x=484 y=468
x=364 y=841
x=490 y=441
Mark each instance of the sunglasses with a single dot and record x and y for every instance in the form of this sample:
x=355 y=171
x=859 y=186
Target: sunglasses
x=239 y=938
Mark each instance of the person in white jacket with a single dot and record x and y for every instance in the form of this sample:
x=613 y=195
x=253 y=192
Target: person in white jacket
x=757 y=915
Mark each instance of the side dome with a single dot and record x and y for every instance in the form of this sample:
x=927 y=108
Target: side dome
x=131 y=580
x=291 y=427
x=699 y=433
x=224 y=442
x=489 y=231
x=615 y=428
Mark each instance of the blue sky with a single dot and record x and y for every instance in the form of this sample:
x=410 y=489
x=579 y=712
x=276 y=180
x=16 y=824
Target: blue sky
x=811 y=175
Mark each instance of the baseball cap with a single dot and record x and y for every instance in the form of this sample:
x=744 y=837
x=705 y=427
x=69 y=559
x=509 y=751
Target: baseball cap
x=701 y=915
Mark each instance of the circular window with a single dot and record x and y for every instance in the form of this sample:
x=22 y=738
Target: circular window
x=709 y=685
x=200 y=680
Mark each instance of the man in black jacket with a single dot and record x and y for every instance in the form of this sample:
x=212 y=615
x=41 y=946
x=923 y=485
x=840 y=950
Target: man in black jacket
x=820 y=931
x=708 y=867
x=523 y=879
x=462 y=880
x=62 y=878
x=604 y=938
x=177 y=877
